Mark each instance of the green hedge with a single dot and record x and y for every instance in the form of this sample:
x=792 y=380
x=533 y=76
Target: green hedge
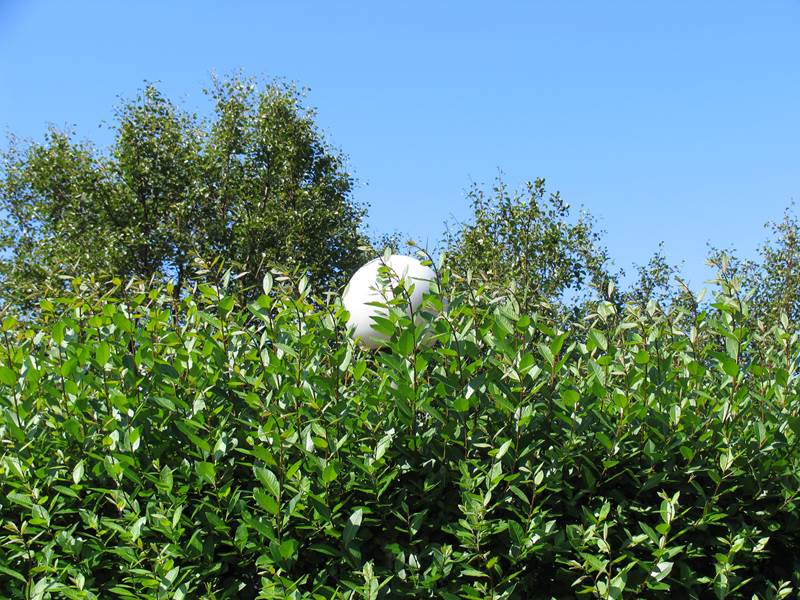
x=200 y=449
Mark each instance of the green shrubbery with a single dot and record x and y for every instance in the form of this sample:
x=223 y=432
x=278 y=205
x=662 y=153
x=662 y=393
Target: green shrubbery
x=201 y=449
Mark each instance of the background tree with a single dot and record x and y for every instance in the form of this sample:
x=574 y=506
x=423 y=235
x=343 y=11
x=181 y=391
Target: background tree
x=255 y=184
x=776 y=278
x=655 y=281
x=528 y=237
x=772 y=280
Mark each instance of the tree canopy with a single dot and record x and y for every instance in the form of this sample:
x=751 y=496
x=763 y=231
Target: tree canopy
x=776 y=277
x=528 y=237
x=255 y=184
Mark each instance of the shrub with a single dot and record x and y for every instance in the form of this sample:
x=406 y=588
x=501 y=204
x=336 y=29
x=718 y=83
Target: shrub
x=162 y=449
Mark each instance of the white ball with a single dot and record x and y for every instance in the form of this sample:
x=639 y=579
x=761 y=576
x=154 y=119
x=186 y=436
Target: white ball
x=364 y=288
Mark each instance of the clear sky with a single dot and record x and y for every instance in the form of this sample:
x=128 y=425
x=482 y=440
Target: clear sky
x=673 y=121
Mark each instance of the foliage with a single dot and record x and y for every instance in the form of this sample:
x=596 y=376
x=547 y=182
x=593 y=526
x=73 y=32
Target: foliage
x=527 y=238
x=200 y=448
x=776 y=277
x=772 y=280
x=655 y=281
x=254 y=184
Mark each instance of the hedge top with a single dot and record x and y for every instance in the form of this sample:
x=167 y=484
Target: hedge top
x=154 y=449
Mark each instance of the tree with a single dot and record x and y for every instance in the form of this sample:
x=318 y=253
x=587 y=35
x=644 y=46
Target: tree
x=527 y=237
x=254 y=184
x=772 y=280
x=776 y=278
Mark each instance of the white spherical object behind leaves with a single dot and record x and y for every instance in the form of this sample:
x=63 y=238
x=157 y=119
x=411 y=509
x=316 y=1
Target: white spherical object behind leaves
x=365 y=287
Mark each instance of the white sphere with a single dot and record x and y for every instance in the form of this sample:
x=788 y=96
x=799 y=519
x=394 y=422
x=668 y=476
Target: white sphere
x=365 y=288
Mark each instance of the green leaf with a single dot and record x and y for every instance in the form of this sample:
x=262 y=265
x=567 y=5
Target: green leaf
x=725 y=460
x=595 y=563
x=517 y=533
x=266 y=501
x=547 y=354
x=11 y=423
x=241 y=536
x=102 y=353
x=176 y=516
x=661 y=570
x=359 y=369
x=136 y=528
x=526 y=363
x=227 y=304
x=329 y=473
x=40 y=514
x=165 y=479
x=58 y=332
x=41 y=588
x=288 y=548
x=654 y=537
x=170 y=576
x=352 y=526
x=77 y=472
x=206 y=471
x=7 y=376
x=598 y=339
x=266 y=283
x=728 y=365
x=605 y=440
x=469 y=572
x=570 y=397
x=501 y=451
x=383 y=444
x=405 y=344
x=268 y=480
x=11 y=573
x=167 y=370
x=348 y=356
x=382 y=325
x=199 y=442
x=604 y=511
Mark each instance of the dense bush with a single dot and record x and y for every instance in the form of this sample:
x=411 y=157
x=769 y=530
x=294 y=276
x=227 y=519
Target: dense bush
x=162 y=449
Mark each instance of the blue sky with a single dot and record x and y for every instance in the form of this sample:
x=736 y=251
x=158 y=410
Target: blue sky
x=673 y=121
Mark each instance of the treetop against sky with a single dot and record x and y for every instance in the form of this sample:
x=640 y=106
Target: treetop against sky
x=669 y=122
